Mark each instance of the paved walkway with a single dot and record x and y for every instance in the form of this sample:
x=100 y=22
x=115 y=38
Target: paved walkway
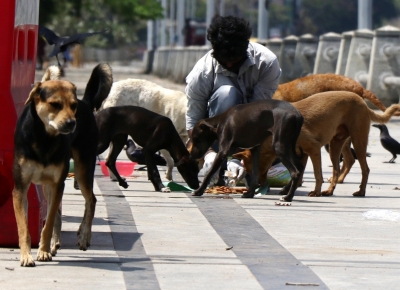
x=150 y=240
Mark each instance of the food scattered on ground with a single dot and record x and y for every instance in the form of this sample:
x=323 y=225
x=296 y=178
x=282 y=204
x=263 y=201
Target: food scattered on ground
x=283 y=203
x=225 y=190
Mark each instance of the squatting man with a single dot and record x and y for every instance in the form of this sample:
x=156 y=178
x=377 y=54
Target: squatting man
x=235 y=71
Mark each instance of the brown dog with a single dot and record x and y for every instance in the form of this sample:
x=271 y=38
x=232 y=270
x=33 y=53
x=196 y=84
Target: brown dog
x=329 y=117
x=53 y=127
x=304 y=87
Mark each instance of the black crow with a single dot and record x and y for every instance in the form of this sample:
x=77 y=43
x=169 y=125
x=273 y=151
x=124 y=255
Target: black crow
x=388 y=142
x=61 y=43
x=136 y=155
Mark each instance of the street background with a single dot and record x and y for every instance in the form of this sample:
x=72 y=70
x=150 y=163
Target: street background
x=144 y=239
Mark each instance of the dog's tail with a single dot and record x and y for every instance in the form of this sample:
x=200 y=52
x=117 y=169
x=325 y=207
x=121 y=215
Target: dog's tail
x=99 y=86
x=53 y=72
x=385 y=117
x=370 y=96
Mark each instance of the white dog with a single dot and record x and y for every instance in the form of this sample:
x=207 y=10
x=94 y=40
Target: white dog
x=166 y=102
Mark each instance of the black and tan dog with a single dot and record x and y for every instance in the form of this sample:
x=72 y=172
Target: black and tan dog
x=53 y=127
x=247 y=126
x=149 y=130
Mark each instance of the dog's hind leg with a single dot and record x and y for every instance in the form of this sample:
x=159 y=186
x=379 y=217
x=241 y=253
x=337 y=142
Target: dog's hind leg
x=285 y=149
x=84 y=173
x=360 y=147
x=20 y=202
x=335 y=148
x=255 y=160
x=56 y=191
x=56 y=237
x=314 y=153
x=304 y=160
x=286 y=188
x=295 y=167
x=170 y=164
x=117 y=144
x=348 y=160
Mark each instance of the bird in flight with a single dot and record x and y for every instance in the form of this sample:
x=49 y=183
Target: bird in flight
x=61 y=43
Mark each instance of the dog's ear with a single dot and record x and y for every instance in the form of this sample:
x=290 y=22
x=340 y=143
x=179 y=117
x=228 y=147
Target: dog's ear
x=208 y=127
x=244 y=155
x=237 y=155
x=73 y=88
x=34 y=92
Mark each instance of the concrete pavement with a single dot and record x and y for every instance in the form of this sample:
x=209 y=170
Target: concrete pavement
x=150 y=240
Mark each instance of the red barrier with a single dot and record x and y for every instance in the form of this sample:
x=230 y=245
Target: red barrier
x=19 y=30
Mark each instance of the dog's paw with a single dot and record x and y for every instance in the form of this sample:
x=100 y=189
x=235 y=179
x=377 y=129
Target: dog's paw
x=124 y=184
x=359 y=194
x=326 y=193
x=54 y=248
x=197 y=193
x=27 y=261
x=84 y=238
x=247 y=195
x=168 y=175
x=313 y=193
x=44 y=256
x=165 y=189
x=286 y=199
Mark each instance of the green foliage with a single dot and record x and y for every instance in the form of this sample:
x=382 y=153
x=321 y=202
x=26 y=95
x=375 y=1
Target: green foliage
x=131 y=10
x=279 y=15
x=318 y=17
x=122 y=18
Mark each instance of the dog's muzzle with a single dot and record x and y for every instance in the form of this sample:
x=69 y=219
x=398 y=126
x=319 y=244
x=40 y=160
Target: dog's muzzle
x=68 y=127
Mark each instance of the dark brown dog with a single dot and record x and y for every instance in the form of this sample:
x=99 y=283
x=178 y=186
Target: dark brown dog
x=332 y=118
x=247 y=126
x=151 y=131
x=54 y=127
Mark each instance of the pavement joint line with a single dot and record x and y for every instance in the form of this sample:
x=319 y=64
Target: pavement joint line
x=269 y=262
x=138 y=273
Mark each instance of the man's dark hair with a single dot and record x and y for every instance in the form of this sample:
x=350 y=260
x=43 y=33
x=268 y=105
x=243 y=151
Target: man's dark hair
x=229 y=37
